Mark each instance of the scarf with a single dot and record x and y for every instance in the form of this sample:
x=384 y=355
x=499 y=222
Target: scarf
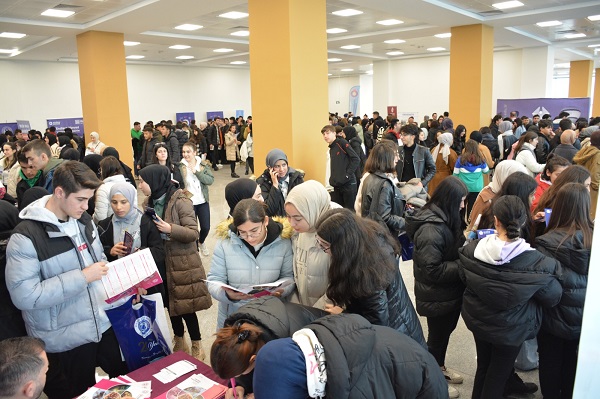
x=238 y=190
x=445 y=139
x=502 y=171
x=314 y=355
x=131 y=222
x=275 y=155
x=30 y=182
x=311 y=200
x=158 y=178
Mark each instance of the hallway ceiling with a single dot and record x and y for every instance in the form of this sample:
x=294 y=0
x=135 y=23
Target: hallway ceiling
x=152 y=23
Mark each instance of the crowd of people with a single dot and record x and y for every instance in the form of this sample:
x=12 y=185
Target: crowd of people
x=498 y=224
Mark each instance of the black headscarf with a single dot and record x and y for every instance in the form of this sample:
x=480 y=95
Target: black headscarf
x=350 y=132
x=93 y=161
x=32 y=194
x=51 y=138
x=238 y=190
x=158 y=178
x=112 y=151
x=9 y=218
x=70 y=154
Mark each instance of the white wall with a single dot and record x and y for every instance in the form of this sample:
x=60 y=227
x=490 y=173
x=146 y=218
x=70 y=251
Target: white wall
x=507 y=77
x=339 y=91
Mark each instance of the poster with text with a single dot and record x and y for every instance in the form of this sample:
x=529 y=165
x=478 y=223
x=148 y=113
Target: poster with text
x=8 y=126
x=214 y=114
x=576 y=107
x=76 y=124
x=186 y=117
x=25 y=126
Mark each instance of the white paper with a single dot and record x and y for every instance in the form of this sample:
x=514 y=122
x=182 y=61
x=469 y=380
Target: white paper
x=174 y=371
x=128 y=271
x=247 y=288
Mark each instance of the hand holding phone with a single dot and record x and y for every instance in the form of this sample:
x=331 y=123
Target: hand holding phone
x=152 y=213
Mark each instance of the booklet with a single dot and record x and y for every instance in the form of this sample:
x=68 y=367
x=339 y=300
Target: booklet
x=256 y=290
x=116 y=389
x=196 y=387
x=128 y=273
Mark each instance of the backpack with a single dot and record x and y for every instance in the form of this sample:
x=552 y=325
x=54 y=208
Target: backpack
x=507 y=142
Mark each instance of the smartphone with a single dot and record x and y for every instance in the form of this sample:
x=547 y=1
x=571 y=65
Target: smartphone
x=152 y=213
x=128 y=242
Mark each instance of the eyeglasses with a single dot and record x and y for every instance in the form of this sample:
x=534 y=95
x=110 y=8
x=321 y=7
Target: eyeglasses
x=320 y=245
x=255 y=232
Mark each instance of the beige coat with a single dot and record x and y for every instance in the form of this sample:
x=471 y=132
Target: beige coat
x=589 y=158
x=231 y=147
x=187 y=293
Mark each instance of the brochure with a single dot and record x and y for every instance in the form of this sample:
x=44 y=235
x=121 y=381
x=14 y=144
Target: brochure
x=256 y=290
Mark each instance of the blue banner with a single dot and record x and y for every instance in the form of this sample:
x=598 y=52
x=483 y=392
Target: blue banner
x=214 y=114
x=576 y=107
x=76 y=124
x=238 y=113
x=186 y=117
x=354 y=97
x=8 y=126
x=25 y=126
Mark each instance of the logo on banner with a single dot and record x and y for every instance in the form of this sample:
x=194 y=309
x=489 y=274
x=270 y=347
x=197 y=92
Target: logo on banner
x=143 y=326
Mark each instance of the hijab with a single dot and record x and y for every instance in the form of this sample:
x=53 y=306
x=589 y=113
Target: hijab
x=448 y=125
x=350 y=132
x=275 y=155
x=158 y=178
x=446 y=139
x=311 y=200
x=505 y=126
x=502 y=171
x=131 y=222
x=238 y=190
x=93 y=161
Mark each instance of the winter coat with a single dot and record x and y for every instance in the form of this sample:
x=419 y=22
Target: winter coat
x=564 y=320
x=343 y=163
x=489 y=160
x=388 y=208
x=102 y=208
x=49 y=173
x=182 y=138
x=566 y=151
x=442 y=169
x=231 y=147
x=187 y=292
x=423 y=163
x=234 y=264
x=23 y=186
x=272 y=195
x=482 y=203
x=363 y=361
x=173 y=147
x=503 y=303
x=148 y=150
x=526 y=157
x=438 y=288
x=542 y=149
x=356 y=145
x=589 y=158
x=492 y=144
x=45 y=280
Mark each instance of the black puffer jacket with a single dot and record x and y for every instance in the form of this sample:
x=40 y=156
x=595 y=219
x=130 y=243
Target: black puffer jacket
x=564 y=320
x=503 y=303
x=366 y=361
x=438 y=288
x=389 y=209
x=272 y=195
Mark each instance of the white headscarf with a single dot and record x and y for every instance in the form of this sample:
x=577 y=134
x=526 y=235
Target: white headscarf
x=311 y=200
x=446 y=139
x=503 y=170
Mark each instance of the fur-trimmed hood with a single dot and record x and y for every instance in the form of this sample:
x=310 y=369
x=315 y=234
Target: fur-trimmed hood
x=226 y=226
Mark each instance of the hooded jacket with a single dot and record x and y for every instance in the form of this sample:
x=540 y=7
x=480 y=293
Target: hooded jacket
x=272 y=195
x=564 y=320
x=589 y=158
x=363 y=361
x=503 y=302
x=343 y=163
x=49 y=172
x=45 y=280
x=438 y=288
x=234 y=264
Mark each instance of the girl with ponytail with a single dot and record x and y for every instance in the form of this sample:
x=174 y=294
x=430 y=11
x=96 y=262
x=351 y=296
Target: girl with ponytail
x=507 y=285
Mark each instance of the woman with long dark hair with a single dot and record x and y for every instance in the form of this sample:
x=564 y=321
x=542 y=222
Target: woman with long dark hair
x=460 y=134
x=161 y=157
x=437 y=235
x=364 y=281
x=568 y=239
x=470 y=168
x=507 y=284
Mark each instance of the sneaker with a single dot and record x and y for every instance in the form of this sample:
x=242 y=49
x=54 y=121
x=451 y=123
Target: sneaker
x=235 y=175
x=451 y=376
x=219 y=166
x=453 y=392
x=515 y=385
x=204 y=250
x=246 y=173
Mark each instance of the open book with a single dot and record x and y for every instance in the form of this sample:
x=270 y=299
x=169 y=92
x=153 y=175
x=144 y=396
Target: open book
x=196 y=387
x=256 y=290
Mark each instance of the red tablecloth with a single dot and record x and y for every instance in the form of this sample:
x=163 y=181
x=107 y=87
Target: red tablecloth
x=146 y=373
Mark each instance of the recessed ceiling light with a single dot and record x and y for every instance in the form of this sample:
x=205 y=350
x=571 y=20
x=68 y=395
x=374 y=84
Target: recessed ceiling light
x=387 y=22
x=329 y=74
x=7 y=51
x=184 y=57
x=237 y=62
x=240 y=33
x=223 y=50
x=395 y=41
x=574 y=35
x=443 y=35
x=395 y=53
x=562 y=65
x=350 y=47
x=58 y=13
x=594 y=45
x=347 y=70
x=507 y=4
x=126 y=43
x=12 y=35
x=436 y=49
x=546 y=24
x=134 y=57
x=369 y=72
x=334 y=59
x=188 y=27
x=347 y=13
x=179 y=46
x=336 y=30
x=594 y=18
x=234 y=15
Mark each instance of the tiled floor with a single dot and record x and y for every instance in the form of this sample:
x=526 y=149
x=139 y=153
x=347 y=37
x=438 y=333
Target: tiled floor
x=461 y=355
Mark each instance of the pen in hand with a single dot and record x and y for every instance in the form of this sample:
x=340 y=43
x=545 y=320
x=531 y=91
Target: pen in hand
x=233 y=387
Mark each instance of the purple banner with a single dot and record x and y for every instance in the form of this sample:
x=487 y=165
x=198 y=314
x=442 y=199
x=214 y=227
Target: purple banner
x=214 y=114
x=576 y=107
x=186 y=117
x=25 y=126
x=76 y=124
x=8 y=126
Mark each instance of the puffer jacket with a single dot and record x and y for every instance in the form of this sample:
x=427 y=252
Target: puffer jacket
x=363 y=361
x=589 y=158
x=234 y=264
x=232 y=152
x=438 y=288
x=564 y=320
x=503 y=303
x=187 y=292
x=389 y=209
x=272 y=195
x=45 y=280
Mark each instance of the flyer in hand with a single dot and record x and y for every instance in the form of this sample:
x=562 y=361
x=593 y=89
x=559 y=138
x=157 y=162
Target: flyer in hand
x=256 y=290
x=195 y=387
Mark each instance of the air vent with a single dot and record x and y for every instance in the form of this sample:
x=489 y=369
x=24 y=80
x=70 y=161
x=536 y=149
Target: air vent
x=65 y=7
x=566 y=32
x=491 y=13
x=240 y=28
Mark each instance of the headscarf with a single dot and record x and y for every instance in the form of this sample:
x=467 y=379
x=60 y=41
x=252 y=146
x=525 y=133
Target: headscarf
x=503 y=170
x=446 y=139
x=448 y=125
x=51 y=138
x=311 y=200
x=69 y=154
x=108 y=151
x=505 y=126
x=95 y=135
x=350 y=132
x=475 y=135
x=275 y=155
x=131 y=222
x=31 y=195
x=93 y=161
x=158 y=178
x=238 y=190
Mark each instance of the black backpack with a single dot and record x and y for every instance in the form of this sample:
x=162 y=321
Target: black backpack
x=507 y=142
